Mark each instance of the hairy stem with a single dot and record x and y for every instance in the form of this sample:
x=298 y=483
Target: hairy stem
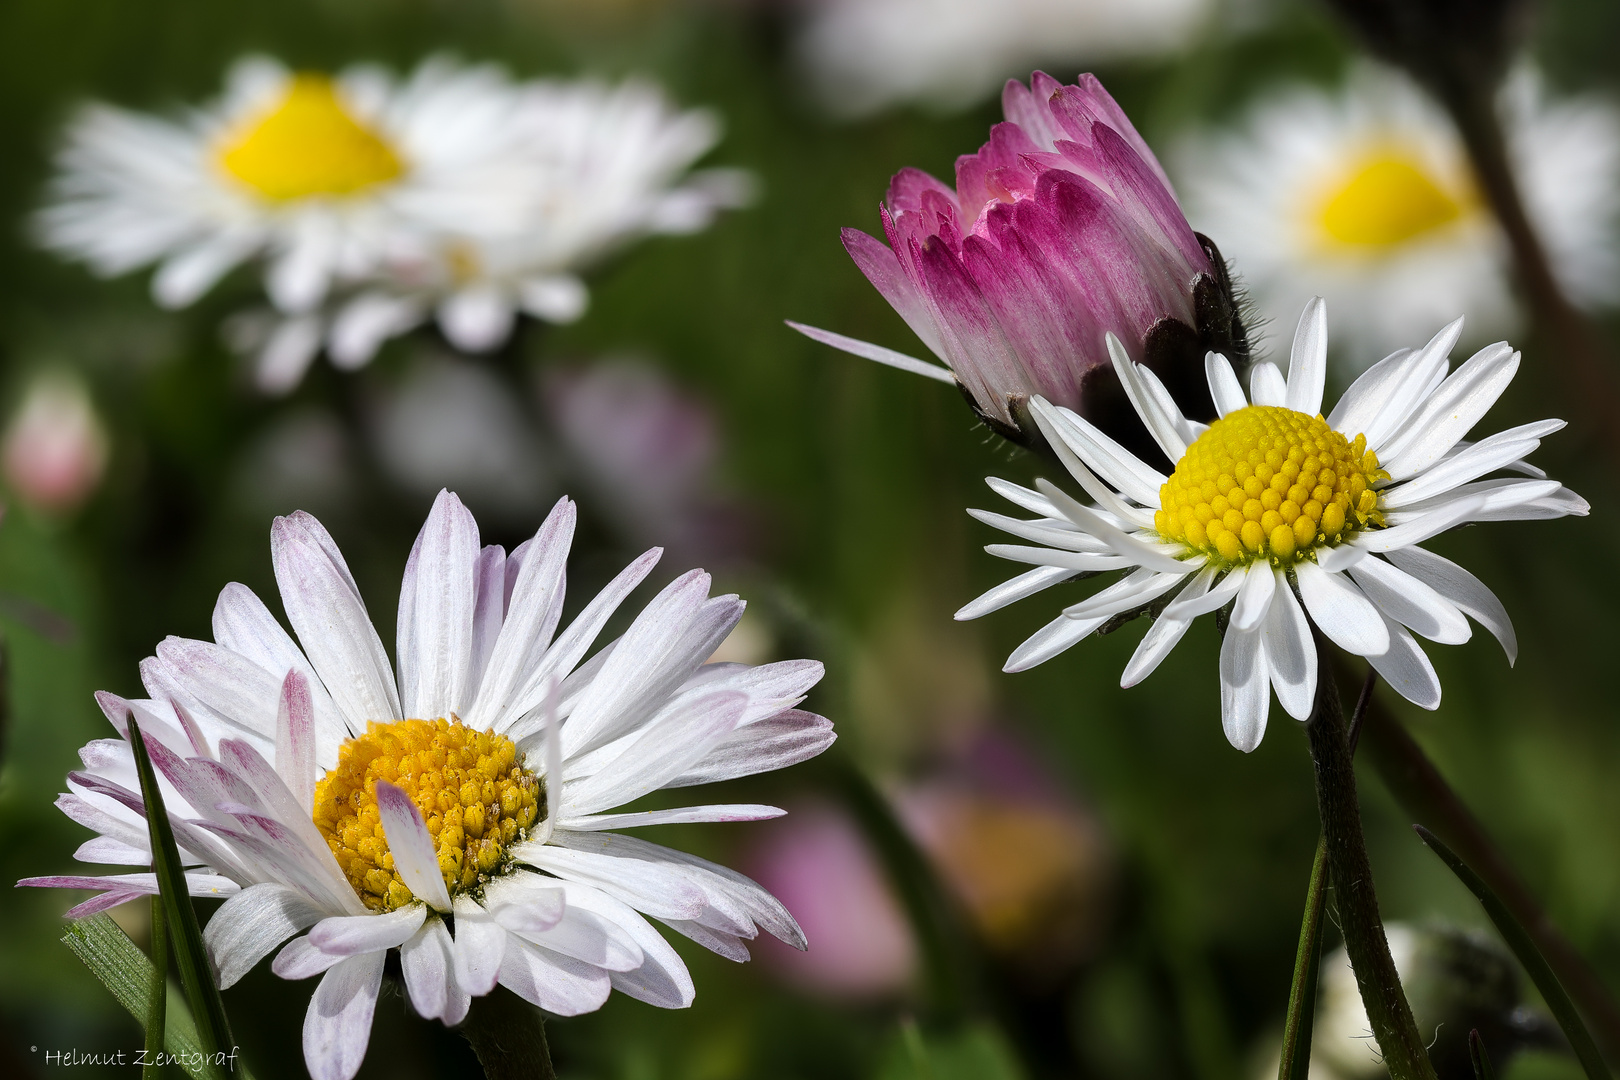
x=509 y=1037
x=1351 y=872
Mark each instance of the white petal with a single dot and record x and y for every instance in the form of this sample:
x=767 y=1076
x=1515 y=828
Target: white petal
x=1023 y=497
x=558 y=298
x=1245 y=688
x=1254 y=598
x=1102 y=493
x=1160 y=424
x=1487 y=455
x=337 y=1026
x=364 y=323
x=295 y=739
x=478 y=318
x=1056 y=636
x=1061 y=534
x=1423 y=523
x=489 y=610
x=652 y=887
x=1191 y=605
x=1462 y=589
x=558 y=984
x=1407 y=669
x=1014 y=589
x=1411 y=603
x=350 y=935
x=326 y=612
x=1267 y=385
x=1107 y=458
x=1307 y=363
x=1072 y=562
x=287 y=354
x=1223 y=385
x=664 y=749
x=1128 y=592
x=868 y=351
x=415 y=858
x=1152 y=556
x=1450 y=412
x=677 y=816
x=300 y=959
x=786 y=739
x=252 y=923
x=479 y=945
x=430 y=976
x=1290 y=652
x=244 y=625
x=436 y=613
x=526 y=902
x=1416 y=377
x=1340 y=610
x=1165 y=632
x=1360 y=405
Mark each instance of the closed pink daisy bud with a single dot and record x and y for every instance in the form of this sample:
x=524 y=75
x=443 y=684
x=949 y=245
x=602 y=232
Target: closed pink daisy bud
x=1060 y=230
x=55 y=449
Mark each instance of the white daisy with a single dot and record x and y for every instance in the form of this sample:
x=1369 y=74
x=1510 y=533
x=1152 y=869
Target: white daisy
x=455 y=192
x=865 y=55
x=1290 y=518
x=1367 y=195
x=460 y=812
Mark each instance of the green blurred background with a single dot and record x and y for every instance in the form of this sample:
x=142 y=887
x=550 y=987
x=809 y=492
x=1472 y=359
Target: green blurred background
x=851 y=482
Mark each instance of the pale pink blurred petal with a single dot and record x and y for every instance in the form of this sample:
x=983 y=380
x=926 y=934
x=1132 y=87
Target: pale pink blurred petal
x=55 y=448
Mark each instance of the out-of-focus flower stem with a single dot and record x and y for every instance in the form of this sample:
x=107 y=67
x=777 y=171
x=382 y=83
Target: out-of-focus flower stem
x=1425 y=796
x=509 y=1037
x=1561 y=324
x=1351 y=873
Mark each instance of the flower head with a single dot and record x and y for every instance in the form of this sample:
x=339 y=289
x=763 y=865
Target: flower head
x=376 y=204
x=1060 y=230
x=1290 y=518
x=1367 y=196
x=322 y=791
x=55 y=448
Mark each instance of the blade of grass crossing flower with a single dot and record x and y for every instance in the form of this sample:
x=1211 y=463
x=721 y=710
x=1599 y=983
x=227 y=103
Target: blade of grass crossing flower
x=1481 y=1060
x=208 y=1009
x=1535 y=965
x=157 y=994
x=124 y=970
x=1296 y=1049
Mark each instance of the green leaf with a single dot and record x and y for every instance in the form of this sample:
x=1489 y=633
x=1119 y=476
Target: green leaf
x=208 y=1008
x=123 y=969
x=157 y=995
x=1535 y=965
x=1481 y=1060
x=1296 y=1050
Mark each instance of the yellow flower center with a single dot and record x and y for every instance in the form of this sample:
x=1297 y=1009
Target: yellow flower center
x=1269 y=483
x=1387 y=199
x=470 y=786
x=308 y=144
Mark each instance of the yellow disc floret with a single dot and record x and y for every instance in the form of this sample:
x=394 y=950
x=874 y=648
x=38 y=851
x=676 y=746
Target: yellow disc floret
x=470 y=786
x=1387 y=199
x=1266 y=482
x=306 y=145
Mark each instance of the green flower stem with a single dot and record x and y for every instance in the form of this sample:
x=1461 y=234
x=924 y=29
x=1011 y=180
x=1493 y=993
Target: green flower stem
x=1380 y=984
x=1425 y=796
x=509 y=1037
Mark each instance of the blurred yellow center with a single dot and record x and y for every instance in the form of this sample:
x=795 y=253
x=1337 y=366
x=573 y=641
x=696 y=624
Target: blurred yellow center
x=470 y=786
x=1269 y=483
x=308 y=144
x=1386 y=200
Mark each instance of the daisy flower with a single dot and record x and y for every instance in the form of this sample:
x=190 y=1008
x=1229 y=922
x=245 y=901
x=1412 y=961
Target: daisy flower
x=1367 y=195
x=1290 y=518
x=866 y=55
x=454 y=193
x=459 y=810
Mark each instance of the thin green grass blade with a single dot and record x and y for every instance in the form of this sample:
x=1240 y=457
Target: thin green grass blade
x=1296 y=1049
x=125 y=971
x=207 y=1007
x=1535 y=965
x=1481 y=1060
x=157 y=994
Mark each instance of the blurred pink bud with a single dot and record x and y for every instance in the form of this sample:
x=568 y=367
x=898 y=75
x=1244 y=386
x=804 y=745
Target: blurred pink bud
x=55 y=448
x=1061 y=229
x=816 y=862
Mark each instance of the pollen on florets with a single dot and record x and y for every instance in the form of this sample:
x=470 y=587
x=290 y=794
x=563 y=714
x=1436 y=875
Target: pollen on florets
x=470 y=786
x=1266 y=482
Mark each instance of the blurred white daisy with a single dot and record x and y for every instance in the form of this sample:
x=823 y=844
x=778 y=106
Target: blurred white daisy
x=1291 y=519
x=865 y=55
x=455 y=192
x=322 y=793
x=1366 y=195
